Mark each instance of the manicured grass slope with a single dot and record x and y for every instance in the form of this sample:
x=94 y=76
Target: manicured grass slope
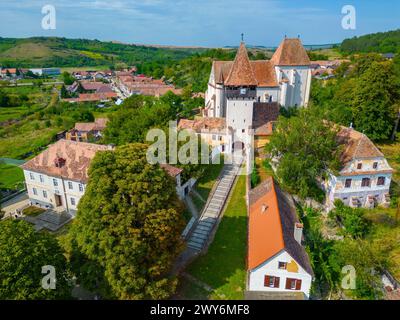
x=224 y=267
x=10 y=175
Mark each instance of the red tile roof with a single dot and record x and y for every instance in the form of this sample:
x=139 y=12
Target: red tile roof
x=93 y=97
x=291 y=53
x=77 y=156
x=241 y=73
x=203 y=124
x=356 y=145
x=98 y=125
x=171 y=170
x=272 y=219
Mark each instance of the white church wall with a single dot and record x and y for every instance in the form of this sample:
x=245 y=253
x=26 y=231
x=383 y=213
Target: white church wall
x=263 y=94
x=240 y=117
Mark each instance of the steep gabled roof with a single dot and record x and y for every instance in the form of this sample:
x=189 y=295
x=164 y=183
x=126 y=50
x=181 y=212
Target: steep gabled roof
x=356 y=146
x=241 y=73
x=263 y=70
x=291 y=53
x=272 y=230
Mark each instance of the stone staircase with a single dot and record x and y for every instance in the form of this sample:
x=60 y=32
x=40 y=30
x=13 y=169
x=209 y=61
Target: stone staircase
x=213 y=208
x=51 y=220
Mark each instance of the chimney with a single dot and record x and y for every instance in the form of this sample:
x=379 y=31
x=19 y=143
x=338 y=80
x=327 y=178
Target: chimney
x=298 y=232
x=264 y=208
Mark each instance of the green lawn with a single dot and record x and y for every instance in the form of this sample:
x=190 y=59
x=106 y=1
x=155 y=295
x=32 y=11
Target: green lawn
x=223 y=267
x=33 y=211
x=15 y=113
x=10 y=175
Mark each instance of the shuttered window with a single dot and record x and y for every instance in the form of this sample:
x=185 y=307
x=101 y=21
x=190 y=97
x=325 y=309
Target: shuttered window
x=293 y=284
x=271 y=282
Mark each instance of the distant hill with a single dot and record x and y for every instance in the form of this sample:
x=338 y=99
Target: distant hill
x=382 y=42
x=62 y=52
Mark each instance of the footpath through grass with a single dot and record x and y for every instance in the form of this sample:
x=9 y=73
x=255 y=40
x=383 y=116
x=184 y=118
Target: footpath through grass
x=223 y=267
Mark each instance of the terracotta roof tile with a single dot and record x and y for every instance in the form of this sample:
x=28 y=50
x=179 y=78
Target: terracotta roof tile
x=357 y=145
x=77 y=156
x=171 y=170
x=203 y=124
x=264 y=72
x=291 y=53
x=241 y=73
x=272 y=218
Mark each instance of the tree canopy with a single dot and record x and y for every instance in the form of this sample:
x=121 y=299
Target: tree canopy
x=306 y=147
x=127 y=232
x=365 y=93
x=23 y=253
x=383 y=42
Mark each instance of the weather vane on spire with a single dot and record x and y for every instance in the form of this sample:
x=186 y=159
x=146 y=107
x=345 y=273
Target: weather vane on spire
x=242 y=37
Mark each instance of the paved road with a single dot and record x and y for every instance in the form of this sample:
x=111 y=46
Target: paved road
x=13 y=204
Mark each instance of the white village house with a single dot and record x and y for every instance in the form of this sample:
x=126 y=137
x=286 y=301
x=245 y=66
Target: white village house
x=277 y=263
x=57 y=178
x=365 y=177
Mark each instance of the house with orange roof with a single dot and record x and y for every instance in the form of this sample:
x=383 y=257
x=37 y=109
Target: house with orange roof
x=365 y=175
x=277 y=263
x=84 y=131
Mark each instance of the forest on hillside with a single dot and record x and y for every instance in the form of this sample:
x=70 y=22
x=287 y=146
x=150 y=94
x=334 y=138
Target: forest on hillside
x=61 y=52
x=382 y=42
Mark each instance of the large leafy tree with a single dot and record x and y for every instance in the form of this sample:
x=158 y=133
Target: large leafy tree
x=367 y=94
x=373 y=101
x=306 y=147
x=127 y=232
x=23 y=253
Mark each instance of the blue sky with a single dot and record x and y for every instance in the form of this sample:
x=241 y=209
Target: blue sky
x=199 y=22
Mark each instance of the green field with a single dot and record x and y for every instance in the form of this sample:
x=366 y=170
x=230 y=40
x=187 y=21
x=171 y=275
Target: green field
x=16 y=113
x=10 y=176
x=223 y=267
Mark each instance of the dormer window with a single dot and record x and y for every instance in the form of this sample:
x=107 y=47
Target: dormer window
x=375 y=166
x=359 y=166
x=59 y=162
